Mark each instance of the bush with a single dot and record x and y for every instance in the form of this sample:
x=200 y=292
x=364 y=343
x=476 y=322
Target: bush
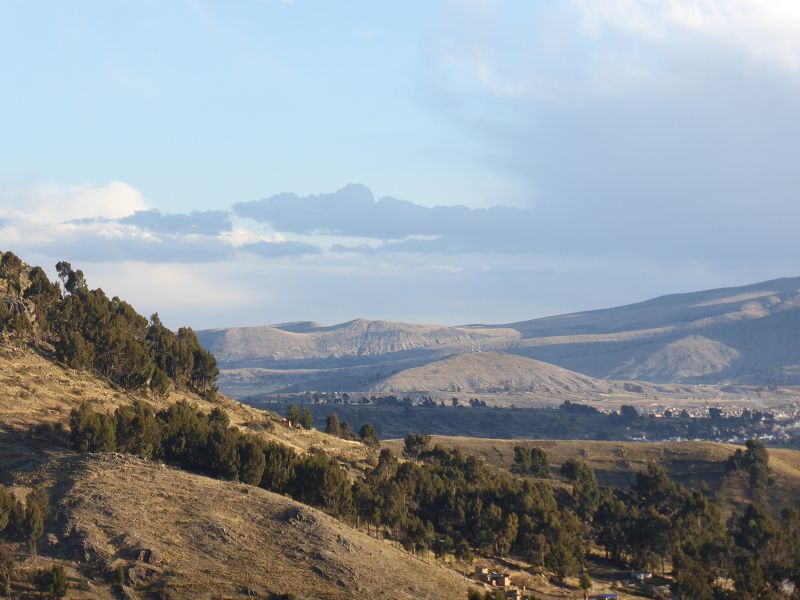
x=7 y=566
x=91 y=431
x=37 y=505
x=369 y=436
x=415 y=444
x=320 y=481
x=332 y=425
x=294 y=415
x=307 y=419
x=137 y=430
x=52 y=582
x=6 y=508
x=531 y=461
x=252 y=461
x=159 y=383
x=279 y=467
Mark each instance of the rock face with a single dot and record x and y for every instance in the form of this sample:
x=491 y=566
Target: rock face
x=13 y=284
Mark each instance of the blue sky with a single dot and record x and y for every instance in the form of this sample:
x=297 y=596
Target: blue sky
x=453 y=161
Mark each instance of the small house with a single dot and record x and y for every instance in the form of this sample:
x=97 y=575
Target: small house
x=500 y=579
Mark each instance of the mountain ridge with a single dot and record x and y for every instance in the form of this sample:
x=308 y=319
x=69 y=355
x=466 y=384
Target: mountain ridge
x=731 y=335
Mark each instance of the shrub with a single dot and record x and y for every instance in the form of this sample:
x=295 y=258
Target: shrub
x=415 y=444
x=6 y=508
x=52 y=582
x=37 y=505
x=307 y=419
x=137 y=430
x=332 y=425
x=252 y=461
x=320 y=481
x=91 y=431
x=7 y=566
x=369 y=436
x=531 y=461
x=279 y=467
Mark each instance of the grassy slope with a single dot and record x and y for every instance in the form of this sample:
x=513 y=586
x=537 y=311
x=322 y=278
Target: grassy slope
x=35 y=390
x=616 y=463
x=215 y=538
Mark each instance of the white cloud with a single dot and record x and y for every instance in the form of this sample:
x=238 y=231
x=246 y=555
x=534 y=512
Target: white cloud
x=48 y=203
x=241 y=236
x=763 y=29
x=113 y=223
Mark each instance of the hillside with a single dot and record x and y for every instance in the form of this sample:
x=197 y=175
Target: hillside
x=213 y=538
x=125 y=526
x=36 y=391
x=179 y=535
x=359 y=339
x=616 y=463
x=745 y=334
x=496 y=374
x=504 y=379
x=489 y=372
x=741 y=335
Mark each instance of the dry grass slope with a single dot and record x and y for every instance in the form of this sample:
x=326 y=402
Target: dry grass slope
x=35 y=390
x=203 y=538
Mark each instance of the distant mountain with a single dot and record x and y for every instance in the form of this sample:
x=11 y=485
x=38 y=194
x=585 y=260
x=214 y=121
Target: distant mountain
x=748 y=334
x=353 y=341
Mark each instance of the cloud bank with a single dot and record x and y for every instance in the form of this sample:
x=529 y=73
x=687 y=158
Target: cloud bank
x=113 y=223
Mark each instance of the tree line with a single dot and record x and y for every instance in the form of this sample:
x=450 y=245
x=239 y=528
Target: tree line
x=451 y=503
x=88 y=330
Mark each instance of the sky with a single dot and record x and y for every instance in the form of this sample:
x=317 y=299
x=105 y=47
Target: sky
x=450 y=161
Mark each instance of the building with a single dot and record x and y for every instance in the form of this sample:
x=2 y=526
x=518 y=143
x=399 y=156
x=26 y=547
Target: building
x=500 y=579
x=493 y=577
